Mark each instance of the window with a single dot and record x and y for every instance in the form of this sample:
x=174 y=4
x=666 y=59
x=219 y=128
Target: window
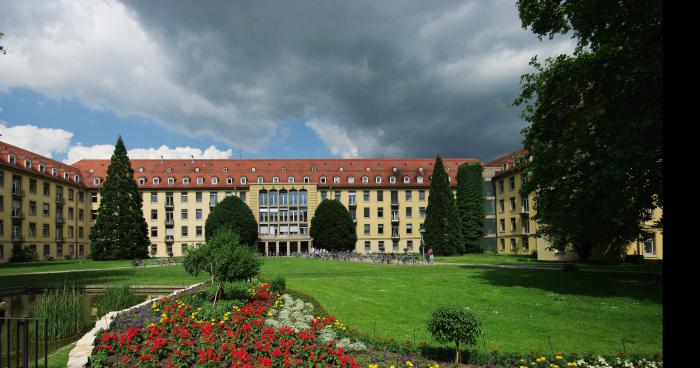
x=32 y=186
x=381 y=245
x=409 y=228
x=324 y=195
x=307 y=179
x=365 y=195
x=71 y=194
x=45 y=230
x=380 y=195
x=502 y=223
x=183 y=231
x=512 y=204
x=47 y=189
x=12 y=158
x=526 y=244
x=214 y=180
x=93 y=215
x=183 y=214
x=213 y=198
x=409 y=245
x=242 y=196
x=523 y=179
x=378 y=179
x=81 y=215
x=171 y=180
x=352 y=197
x=154 y=197
x=275 y=179
x=32 y=208
x=198 y=197
x=512 y=244
x=186 y=180
x=525 y=203
x=419 y=180
x=198 y=231
x=392 y=179
x=54 y=171
x=71 y=213
x=229 y=180
x=243 y=180
x=409 y=194
x=32 y=230
x=649 y=245
x=367 y=245
x=380 y=229
x=290 y=180
x=409 y=212
x=503 y=244
x=200 y=180
x=198 y=213
x=156 y=180
x=421 y=195
x=513 y=223
x=183 y=197
x=260 y=180
x=500 y=186
x=365 y=179
x=154 y=214
x=501 y=206
x=511 y=183
x=47 y=250
x=322 y=179
x=366 y=229
x=81 y=197
x=337 y=195
x=336 y=179
x=366 y=212
x=46 y=210
x=154 y=231
x=351 y=179
x=380 y=212
x=406 y=179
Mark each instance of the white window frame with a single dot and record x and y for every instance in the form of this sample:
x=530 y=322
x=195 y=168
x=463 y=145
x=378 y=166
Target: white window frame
x=229 y=180
x=142 y=180
x=171 y=180
x=365 y=179
x=322 y=180
x=243 y=180
x=392 y=179
x=214 y=180
x=95 y=181
x=351 y=179
x=156 y=180
x=27 y=164
x=419 y=180
x=378 y=179
x=260 y=180
x=275 y=179
x=200 y=180
x=186 y=180
x=307 y=179
x=290 y=179
x=336 y=179
x=11 y=158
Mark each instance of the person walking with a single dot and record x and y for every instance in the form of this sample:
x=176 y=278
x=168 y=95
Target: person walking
x=430 y=255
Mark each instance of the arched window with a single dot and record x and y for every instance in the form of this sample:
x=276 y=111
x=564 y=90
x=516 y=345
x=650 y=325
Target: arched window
x=406 y=179
x=293 y=197
x=322 y=179
x=27 y=164
x=171 y=180
x=260 y=180
x=419 y=180
x=11 y=158
x=336 y=179
x=42 y=168
x=365 y=179
x=290 y=180
x=214 y=180
x=392 y=179
x=378 y=179
x=200 y=180
x=142 y=180
x=243 y=180
x=186 y=180
x=262 y=199
x=351 y=179
x=307 y=179
x=275 y=179
x=229 y=180
x=96 y=181
x=156 y=180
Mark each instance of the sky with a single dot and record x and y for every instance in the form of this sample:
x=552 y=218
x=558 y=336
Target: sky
x=265 y=79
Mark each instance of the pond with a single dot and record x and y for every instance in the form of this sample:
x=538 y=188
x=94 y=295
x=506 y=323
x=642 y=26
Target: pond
x=21 y=304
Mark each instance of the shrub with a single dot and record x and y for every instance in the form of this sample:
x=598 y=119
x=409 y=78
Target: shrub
x=232 y=214
x=634 y=258
x=115 y=298
x=332 y=227
x=22 y=254
x=278 y=284
x=224 y=258
x=454 y=324
x=570 y=267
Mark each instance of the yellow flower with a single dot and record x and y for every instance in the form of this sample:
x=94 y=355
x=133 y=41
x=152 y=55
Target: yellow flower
x=408 y=363
x=373 y=366
x=572 y=364
x=269 y=313
x=558 y=357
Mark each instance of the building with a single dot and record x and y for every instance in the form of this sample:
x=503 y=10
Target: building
x=43 y=206
x=387 y=198
x=516 y=230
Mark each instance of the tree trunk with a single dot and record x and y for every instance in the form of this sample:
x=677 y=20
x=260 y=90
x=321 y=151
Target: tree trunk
x=216 y=294
x=457 y=360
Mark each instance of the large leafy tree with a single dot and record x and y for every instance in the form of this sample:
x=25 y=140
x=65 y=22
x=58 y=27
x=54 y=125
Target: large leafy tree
x=443 y=230
x=120 y=231
x=332 y=227
x=470 y=204
x=233 y=214
x=595 y=121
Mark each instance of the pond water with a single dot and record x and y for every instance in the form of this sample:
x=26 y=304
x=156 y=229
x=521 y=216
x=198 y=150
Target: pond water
x=22 y=305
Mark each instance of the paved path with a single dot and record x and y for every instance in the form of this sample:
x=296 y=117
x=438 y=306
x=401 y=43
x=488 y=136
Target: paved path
x=86 y=269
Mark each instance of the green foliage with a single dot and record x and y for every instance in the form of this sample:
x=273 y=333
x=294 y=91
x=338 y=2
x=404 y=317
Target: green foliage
x=120 y=231
x=470 y=204
x=233 y=214
x=450 y=324
x=115 y=298
x=332 y=227
x=224 y=258
x=64 y=307
x=595 y=122
x=22 y=254
x=442 y=226
x=278 y=284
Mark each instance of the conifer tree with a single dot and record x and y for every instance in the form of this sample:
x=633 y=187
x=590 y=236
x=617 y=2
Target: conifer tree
x=442 y=227
x=120 y=231
x=470 y=205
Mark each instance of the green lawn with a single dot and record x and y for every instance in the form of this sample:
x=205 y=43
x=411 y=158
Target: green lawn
x=46 y=266
x=510 y=259
x=520 y=309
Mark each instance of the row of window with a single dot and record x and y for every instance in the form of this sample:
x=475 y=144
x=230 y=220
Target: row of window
x=395 y=246
x=514 y=224
x=352 y=196
x=394 y=214
x=184 y=214
x=45 y=230
x=46 y=209
x=524 y=204
x=511 y=183
x=394 y=229
x=11 y=158
x=513 y=244
x=171 y=180
x=46 y=188
x=184 y=197
x=46 y=250
x=184 y=231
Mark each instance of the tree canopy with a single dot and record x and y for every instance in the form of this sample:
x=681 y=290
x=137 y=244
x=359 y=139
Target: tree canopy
x=595 y=121
x=470 y=204
x=233 y=214
x=120 y=231
x=443 y=231
x=332 y=227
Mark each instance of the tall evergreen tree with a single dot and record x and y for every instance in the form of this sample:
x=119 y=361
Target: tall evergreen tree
x=120 y=231
x=442 y=227
x=470 y=204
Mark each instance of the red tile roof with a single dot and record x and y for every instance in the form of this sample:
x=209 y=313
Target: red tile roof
x=36 y=160
x=268 y=168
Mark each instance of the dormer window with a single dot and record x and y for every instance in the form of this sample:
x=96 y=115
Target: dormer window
x=307 y=179
x=419 y=180
x=170 y=169
x=351 y=179
x=323 y=180
x=27 y=164
x=394 y=169
x=243 y=180
x=142 y=180
x=290 y=180
x=215 y=180
x=171 y=180
x=341 y=169
x=96 y=181
x=225 y=169
x=140 y=169
x=12 y=158
x=66 y=176
x=365 y=179
x=260 y=180
x=368 y=169
x=284 y=169
x=229 y=180
x=406 y=179
x=275 y=179
x=392 y=179
x=200 y=180
x=252 y=169
x=313 y=168
x=336 y=179
x=196 y=169
x=156 y=180
x=54 y=171
x=378 y=179
x=186 y=180
x=76 y=179
x=42 y=168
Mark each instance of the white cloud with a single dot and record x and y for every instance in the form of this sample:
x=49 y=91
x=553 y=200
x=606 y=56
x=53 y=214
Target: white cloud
x=44 y=141
x=104 y=151
x=341 y=144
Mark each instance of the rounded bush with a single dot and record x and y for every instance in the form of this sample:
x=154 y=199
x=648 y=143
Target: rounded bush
x=233 y=214
x=332 y=227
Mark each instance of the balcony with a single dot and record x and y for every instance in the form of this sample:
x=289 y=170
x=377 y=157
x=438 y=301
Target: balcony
x=212 y=203
x=285 y=236
x=169 y=222
x=394 y=203
x=394 y=236
x=17 y=214
x=524 y=210
x=59 y=199
x=395 y=219
x=169 y=238
x=59 y=219
x=169 y=204
x=17 y=237
x=353 y=202
x=60 y=239
x=525 y=231
x=17 y=192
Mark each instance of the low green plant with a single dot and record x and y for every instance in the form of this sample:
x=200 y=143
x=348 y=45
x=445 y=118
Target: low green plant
x=115 y=298
x=454 y=324
x=278 y=284
x=64 y=308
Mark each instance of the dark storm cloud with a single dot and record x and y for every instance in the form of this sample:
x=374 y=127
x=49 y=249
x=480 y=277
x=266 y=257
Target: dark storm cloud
x=412 y=78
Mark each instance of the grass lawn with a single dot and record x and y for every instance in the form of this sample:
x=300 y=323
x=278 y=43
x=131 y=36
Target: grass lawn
x=519 y=309
x=59 y=358
x=580 y=311
x=50 y=266
x=511 y=259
